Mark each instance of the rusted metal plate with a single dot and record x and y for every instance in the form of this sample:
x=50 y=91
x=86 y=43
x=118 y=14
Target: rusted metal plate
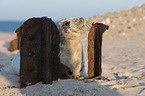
x=30 y=52
x=50 y=51
x=94 y=49
x=40 y=52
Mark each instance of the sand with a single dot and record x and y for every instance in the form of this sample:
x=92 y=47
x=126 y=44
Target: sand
x=10 y=82
x=123 y=62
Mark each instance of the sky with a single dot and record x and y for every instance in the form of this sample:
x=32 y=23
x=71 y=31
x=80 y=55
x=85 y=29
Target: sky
x=21 y=10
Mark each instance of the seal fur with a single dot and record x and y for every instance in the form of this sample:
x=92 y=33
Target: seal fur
x=70 y=44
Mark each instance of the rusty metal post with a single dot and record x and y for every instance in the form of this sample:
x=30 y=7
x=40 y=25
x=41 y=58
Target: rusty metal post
x=50 y=61
x=30 y=52
x=18 y=32
x=94 y=49
x=40 y=52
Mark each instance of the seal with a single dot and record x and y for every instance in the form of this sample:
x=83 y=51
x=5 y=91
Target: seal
x=70 y=44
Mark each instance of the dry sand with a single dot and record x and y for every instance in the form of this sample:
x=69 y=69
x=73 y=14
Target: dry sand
x=10 y=83
x=123 y=61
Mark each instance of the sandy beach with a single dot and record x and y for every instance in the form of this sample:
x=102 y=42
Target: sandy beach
x=123 y=63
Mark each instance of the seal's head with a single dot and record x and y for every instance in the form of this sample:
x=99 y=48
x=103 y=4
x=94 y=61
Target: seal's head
x=71 y=26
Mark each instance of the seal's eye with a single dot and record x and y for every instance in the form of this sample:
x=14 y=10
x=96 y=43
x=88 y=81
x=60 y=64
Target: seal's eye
x=67 y=23
x=107 y=28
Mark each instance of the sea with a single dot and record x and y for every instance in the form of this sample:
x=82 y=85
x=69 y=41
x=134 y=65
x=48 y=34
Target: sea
x=10 y=26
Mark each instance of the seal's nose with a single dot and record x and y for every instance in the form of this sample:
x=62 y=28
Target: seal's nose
x=107 y=27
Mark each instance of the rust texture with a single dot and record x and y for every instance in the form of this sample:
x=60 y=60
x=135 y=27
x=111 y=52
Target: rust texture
x=94 y=49
x=40 y=52
x=18 y=32
x=30 y=63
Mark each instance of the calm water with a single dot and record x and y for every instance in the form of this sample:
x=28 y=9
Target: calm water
x=9 y=26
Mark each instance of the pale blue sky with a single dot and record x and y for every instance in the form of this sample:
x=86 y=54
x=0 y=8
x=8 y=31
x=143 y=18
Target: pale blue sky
x=60 y=9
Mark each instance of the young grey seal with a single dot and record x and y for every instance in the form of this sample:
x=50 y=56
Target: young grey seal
x=70 y=45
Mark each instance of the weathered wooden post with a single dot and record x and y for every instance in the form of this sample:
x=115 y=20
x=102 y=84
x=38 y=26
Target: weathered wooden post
x=40 y=52
x=94 y=49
